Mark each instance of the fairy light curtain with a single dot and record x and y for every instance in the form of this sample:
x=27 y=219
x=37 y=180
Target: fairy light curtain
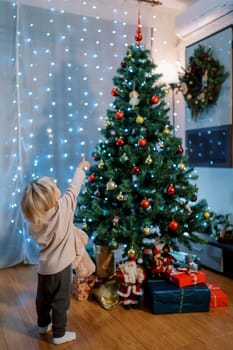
x=56 y=81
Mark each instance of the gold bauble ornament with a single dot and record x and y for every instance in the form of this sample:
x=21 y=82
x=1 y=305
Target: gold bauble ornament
x=146 y=231
x=139 y=119
x=84 y=226
x=111 y=185
x=131 y=253
x=148 y=160
x=166 y=131
x=181 y=166
x=206 y=214
x=120 y=197
x=101 y=164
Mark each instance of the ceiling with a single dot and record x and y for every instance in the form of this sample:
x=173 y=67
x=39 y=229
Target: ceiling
x=176 y=4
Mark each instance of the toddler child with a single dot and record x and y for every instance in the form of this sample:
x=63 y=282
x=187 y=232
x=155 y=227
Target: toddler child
x=51 y=223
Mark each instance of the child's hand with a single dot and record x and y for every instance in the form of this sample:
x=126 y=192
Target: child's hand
x=84 y=163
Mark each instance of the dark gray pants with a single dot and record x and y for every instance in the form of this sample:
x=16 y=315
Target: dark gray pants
x=53 y=300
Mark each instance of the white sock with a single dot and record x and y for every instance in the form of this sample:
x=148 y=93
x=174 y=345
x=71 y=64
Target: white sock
x=46 y=329
x=68 y=336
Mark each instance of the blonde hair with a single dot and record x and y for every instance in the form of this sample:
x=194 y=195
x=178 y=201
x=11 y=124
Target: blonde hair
x=38 y=197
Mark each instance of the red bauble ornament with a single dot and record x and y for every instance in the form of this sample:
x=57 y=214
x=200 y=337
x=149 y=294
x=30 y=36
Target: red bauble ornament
x=135 y=170
x=91 y=178
x=155 y=100
x=119 y=115
x=138 y=37
x=120 y=142
x=122 y=64
x=171 y=190
x=95 y=156
x=114 y=91
x=145 y=203
x=142 y=142
x=180 y=150
x=173 y=225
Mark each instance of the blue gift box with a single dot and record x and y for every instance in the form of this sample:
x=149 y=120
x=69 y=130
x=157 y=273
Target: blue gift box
x=164 y=297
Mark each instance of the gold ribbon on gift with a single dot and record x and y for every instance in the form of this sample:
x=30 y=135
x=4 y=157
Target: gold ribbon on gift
x=181 y=300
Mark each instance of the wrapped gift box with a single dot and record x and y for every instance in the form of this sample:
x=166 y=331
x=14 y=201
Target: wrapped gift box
x=185 y=278
x=164 y=297
x=217 y=297
x=81 y=287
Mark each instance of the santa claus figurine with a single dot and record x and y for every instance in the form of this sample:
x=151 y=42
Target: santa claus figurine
x=131 y=277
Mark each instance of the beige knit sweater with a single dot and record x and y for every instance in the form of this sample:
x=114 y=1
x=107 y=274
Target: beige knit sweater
x=58 y=242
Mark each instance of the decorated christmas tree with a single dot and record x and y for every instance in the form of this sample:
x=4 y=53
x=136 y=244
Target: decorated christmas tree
x=141 y=187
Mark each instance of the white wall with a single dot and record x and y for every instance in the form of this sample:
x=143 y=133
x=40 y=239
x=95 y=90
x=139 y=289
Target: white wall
x=215 y=184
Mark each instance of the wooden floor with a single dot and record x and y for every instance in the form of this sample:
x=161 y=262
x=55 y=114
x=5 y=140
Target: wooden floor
x=118 y=329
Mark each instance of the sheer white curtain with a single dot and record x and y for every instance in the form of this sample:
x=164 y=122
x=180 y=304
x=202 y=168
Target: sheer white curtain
x=56 y=71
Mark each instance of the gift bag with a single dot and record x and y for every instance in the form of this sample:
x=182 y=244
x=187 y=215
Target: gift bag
x=106 y=293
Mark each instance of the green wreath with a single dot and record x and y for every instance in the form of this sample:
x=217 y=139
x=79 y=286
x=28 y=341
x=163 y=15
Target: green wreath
x=201 y=81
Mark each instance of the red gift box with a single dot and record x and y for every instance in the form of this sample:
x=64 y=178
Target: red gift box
x=217 y=297
x=81 y=287
x=185 y=278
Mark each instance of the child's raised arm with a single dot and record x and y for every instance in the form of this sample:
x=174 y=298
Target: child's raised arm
x=84 y=163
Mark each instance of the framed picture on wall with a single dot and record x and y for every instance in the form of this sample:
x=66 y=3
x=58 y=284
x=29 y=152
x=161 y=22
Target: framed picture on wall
x=209 y=147
x=209 y=135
